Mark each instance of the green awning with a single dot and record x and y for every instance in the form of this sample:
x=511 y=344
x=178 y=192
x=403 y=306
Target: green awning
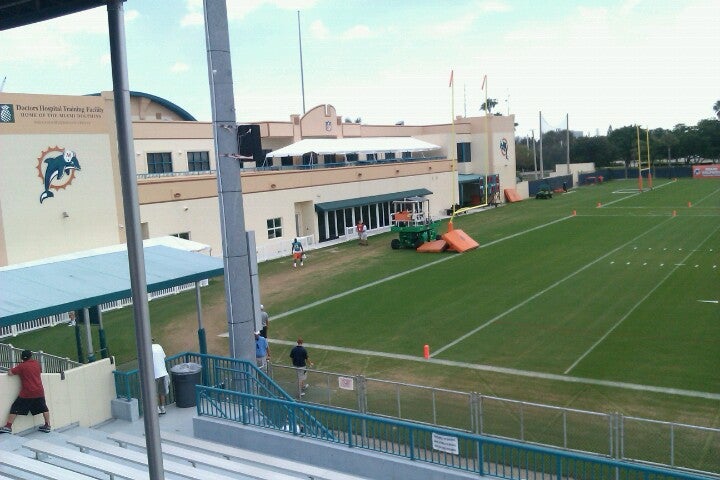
x=356 y=202
x=465 y=178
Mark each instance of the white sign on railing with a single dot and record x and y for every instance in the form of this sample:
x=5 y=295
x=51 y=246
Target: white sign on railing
x=445 y=443
x=346 y=383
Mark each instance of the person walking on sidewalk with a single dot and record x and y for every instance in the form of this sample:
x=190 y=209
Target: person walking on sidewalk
x=31 y=398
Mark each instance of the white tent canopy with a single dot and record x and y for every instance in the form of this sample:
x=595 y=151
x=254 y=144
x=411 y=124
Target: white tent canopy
x=329 y=146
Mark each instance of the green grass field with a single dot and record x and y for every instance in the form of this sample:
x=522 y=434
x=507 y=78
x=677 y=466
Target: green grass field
x=549 y=309
x=613 y=293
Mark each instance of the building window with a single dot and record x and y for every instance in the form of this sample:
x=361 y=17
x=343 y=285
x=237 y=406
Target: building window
x=371 y=157
x=352 y=157
x=407 y=155
x=198 y=161
x=463 y=152
x=389 y=155
x=183 y=235
x=286 y=161
x=274 y=227
x=159 y=162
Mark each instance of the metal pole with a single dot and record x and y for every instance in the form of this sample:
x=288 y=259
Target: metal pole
x=302 y=75
x=136 y=260
x=534 y=151
x=201 y=330
x=542 y=169
x=237 y=263
x=567 y=141
x=88 y=336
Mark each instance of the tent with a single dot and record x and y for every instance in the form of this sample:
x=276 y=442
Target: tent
x=329 y=146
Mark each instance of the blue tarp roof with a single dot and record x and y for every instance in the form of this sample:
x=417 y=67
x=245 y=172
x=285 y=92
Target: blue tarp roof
x=29 y=292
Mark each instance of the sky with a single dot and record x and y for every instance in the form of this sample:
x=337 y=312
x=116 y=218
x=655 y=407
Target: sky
x=602 y=63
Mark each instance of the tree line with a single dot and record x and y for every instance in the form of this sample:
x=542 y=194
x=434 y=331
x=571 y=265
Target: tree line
x=683 y=144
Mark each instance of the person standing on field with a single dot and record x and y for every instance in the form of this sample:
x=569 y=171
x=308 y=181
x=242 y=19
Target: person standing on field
x=264 y=320
x=362 y=232
x=300 y=360
x=31 y=398
x=297 y=251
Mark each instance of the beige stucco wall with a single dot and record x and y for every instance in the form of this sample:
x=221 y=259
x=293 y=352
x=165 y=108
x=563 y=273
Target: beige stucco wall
x=84 y=211
x=82 y=397
x=198 y=217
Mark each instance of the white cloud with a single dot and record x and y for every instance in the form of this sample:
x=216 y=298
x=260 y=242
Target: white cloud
x=493 y=7
x=180 y=67
x=319 y=30
x=454 y=27
x=357 y=32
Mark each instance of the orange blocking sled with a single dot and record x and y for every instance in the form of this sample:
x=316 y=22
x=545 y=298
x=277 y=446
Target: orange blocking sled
x=459 y=241
x=436 y=246
x=511 y=195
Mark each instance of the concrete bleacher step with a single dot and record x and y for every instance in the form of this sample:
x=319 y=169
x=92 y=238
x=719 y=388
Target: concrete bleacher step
x=239 y=454
x=196 y=458
x=172 y=467
x=38 y=469
x=78 y=460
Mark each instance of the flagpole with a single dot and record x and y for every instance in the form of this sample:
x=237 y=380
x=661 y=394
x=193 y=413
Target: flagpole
x=489 y=138
x=302 y=76
x=453 y=147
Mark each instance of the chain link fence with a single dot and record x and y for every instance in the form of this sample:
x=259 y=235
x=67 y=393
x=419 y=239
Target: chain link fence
x=610 y=434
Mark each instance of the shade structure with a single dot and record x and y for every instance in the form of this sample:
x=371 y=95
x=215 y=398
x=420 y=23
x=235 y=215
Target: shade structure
x=335 y=146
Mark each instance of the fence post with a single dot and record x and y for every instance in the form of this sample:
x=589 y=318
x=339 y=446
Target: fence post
x=522 y=421
x=672 y=444
x=565 y=428
x=397 y=396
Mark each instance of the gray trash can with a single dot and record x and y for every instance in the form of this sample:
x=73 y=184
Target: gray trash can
x=185 y=376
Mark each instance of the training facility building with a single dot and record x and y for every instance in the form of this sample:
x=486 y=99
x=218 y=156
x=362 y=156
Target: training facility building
x=311 y=177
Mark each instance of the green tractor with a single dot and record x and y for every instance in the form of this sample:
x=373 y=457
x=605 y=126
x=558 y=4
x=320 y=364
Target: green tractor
x=544 y=192
x=410 y=219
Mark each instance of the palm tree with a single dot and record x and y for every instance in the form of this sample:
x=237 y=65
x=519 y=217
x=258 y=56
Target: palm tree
x=491 y=103
x=716 y=107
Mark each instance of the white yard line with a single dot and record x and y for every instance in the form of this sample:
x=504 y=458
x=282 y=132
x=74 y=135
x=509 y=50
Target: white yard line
x=706 y=197
x=631 y=196
x=541 y=292
x=510 y=371
x=640 y=302
x=406 y=272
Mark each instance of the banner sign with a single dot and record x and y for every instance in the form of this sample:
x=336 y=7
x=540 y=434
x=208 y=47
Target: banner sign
x=346 y=383
x=706 y=171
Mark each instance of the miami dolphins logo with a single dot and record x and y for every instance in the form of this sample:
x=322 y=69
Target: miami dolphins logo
x=504 y=148
x=56 y=168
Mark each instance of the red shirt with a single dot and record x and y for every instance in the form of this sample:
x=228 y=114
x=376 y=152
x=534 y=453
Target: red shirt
x=29 y=373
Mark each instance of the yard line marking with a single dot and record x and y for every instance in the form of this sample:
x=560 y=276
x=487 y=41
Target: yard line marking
x=406 y=272
x=510 y=371
x=631 y=196
x=707 y=196
x=547 y=289
x=601 y=339
x=708 y=301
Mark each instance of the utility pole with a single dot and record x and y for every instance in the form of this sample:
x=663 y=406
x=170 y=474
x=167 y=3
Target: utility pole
x=534 y=150
x=302 y=75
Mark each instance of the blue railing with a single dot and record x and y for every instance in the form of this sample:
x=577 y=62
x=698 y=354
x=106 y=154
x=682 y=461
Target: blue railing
x=226 y=375
x=424 y=443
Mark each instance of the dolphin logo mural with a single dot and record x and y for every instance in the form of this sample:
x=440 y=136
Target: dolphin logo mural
x=56 y=168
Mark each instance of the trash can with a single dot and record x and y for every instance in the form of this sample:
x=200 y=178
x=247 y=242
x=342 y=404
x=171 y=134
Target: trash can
x=185 y=376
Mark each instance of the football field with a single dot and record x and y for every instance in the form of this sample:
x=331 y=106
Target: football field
x=603 y=284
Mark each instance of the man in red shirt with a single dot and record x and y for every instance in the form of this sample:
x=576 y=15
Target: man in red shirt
x=31 y=398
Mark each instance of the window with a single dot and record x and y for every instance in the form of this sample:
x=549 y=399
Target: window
x=286 y=161
x=370 y=157
x=274 y=227
x=159 y=162
x=183 y=235
x=389 y=155
x=352 y=157
x=407 y=155
x=329 y=158
x=198 y=161
x=463 y=152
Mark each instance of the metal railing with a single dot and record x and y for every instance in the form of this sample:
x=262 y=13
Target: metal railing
x=10 y=356
x=226 y=375
x=469 y=452
x=610 y=434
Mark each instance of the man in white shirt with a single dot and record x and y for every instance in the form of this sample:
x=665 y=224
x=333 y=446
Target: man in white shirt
x=162 y=380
